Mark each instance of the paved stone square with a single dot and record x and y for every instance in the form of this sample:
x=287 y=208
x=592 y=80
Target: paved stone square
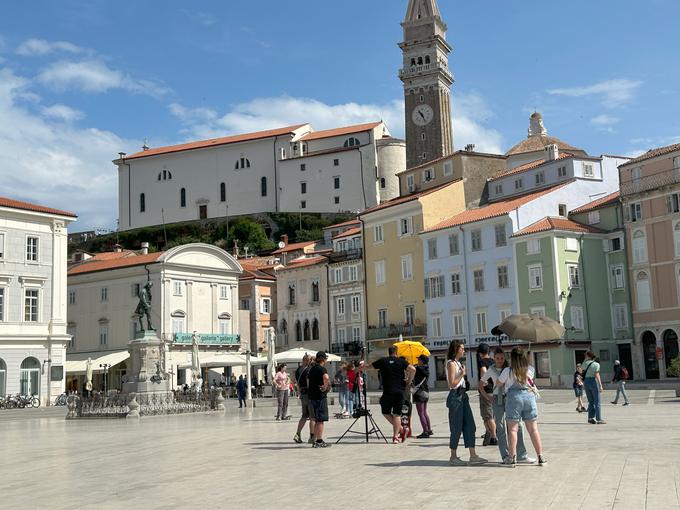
x=246 y=459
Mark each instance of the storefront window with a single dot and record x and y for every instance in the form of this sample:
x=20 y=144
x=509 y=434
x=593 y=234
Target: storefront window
x=29 y=377
x=440 y=367
x=542 y=365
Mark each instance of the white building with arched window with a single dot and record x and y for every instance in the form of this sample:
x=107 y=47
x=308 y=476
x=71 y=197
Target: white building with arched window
x=33 y=334
x=290 y=169
x=194 y=289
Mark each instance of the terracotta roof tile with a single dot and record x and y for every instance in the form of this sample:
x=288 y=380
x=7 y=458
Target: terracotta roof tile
x=202 y=144
x=349 y=232
x=304 y=262
x=406 y=198
x=652 y=153
x=91 y=266
x=111 y=255
x=295 y=247
x=256 y=274
x=539 y=143
x=27 y=206
x=529 y=166
x=554 y=223
x=348 y=130
x=612 y=198
x=493 y=210
x=353 y=221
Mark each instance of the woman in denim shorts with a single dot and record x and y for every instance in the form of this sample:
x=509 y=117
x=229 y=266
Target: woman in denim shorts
x=520 y=404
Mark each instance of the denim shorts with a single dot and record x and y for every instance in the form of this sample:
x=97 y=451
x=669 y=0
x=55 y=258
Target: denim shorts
x=520 y=405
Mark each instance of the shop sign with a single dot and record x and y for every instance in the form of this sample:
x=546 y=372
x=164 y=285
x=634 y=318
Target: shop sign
x=440 y=343
x=491 y=339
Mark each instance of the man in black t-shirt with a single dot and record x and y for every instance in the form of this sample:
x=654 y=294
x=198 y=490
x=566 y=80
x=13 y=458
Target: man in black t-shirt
x=396 y=374
x=302 y=383
x=486 y=395
x=319 y=384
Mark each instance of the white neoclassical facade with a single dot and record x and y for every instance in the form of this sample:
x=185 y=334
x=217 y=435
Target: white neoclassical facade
x=291 y=169
x=32 y=299
x=194 y=289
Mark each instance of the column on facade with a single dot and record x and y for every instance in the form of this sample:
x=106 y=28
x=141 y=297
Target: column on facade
x=166 y=320
x=190 y=304
x=213 y=308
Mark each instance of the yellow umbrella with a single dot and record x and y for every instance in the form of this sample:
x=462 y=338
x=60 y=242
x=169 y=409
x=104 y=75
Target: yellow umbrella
x=411 y=350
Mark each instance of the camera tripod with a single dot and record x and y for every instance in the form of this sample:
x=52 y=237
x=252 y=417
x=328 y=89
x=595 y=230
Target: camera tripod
x=364 y=412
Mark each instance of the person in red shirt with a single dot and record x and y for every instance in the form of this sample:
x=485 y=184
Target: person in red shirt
x=351 y=387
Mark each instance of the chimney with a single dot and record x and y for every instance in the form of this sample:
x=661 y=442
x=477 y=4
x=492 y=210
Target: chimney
x=470 y=147
x=122 y=155
x=552 y=152
x=284 y=239
x=117 y=248
x=145 y=248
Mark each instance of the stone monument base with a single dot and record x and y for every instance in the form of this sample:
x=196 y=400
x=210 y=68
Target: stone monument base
x=146 y=372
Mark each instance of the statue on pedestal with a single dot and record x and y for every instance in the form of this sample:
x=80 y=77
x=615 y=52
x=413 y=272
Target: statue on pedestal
x=144 y=306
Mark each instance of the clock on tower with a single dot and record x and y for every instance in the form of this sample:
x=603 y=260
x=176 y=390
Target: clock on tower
x=427 y=83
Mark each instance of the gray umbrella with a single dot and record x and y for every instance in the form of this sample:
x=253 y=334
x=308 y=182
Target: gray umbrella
x=531 y=328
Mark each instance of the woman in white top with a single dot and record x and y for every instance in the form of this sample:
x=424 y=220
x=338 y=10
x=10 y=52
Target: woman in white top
x=461 y=420
x=520 y=404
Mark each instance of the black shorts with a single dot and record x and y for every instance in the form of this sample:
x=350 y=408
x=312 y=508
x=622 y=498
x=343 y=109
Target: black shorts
x=391 y=403
x=320 y=409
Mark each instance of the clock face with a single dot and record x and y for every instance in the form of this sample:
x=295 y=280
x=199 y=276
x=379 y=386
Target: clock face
x=422 y=115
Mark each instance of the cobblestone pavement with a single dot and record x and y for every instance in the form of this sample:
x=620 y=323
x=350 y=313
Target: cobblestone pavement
x=248 y=460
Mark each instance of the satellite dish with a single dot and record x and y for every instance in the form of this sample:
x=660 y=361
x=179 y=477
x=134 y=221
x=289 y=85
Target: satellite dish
x=282 y=245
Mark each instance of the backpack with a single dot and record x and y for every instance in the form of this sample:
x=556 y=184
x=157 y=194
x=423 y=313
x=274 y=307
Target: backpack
x=624 y=374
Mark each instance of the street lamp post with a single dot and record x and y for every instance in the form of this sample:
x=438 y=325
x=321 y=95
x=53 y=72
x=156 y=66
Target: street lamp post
x=106 y=367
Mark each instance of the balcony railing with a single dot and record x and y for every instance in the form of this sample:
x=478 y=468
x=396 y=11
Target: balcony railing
x=394 y=330
x=340 y=256
x=423 y=68
x=352 y=348
x=208 y=339
x=650 y=182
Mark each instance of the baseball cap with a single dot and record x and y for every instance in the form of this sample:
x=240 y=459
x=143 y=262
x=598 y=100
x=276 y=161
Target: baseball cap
x=321 y=355
x=483 y=348
x=617 y=362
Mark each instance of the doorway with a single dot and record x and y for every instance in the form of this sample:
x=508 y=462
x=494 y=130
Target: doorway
x=649 y=355
x=202 y=212
x=626 y=358
x=670 y=347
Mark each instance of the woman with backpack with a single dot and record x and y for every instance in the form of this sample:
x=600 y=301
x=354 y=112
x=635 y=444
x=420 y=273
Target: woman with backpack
x=620 y=376
x=421 y=395
x=520 y=404
x=593 y=385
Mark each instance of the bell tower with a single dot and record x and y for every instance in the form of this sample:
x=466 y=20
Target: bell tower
x=427 y=83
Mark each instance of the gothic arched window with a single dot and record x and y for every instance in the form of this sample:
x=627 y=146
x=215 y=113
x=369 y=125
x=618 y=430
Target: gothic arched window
x=242 y=163
x=315 y=329
x=427 y=59
x=420 y=61
x=307 y=331
x=298 y=331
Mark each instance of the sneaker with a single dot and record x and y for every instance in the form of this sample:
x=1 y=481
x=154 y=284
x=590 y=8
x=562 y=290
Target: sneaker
x=615 y=403
x=487 y=438
x=430 y=433
x=526 y=460
x=311 y=439
x=320 y=443
x=627 y=404
x=601 y=422
x=592 y=421
x=509 y=461
x=493 y=442
x=476 y=460
x=457 y=461
x=424 y=435
x=277 y=418
x=542 y=461
x=297 y=438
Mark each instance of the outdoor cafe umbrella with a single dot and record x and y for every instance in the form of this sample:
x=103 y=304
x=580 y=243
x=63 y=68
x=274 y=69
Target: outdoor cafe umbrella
x=195 y=362
x=271 y=351
x=88 y=375
x=530 y=327
x=411 y=350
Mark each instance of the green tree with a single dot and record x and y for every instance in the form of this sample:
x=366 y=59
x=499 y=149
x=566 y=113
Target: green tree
x=674 y=369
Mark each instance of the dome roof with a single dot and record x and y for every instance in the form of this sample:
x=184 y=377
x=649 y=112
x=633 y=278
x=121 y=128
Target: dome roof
x=538 y=139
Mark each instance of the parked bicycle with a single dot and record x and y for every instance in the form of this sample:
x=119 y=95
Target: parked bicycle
x=61 y=400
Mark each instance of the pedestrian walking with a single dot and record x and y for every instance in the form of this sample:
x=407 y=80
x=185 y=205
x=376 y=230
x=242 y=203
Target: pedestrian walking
x=421 y=395
x=352 y=375
x=592 y=383
x=461 y=420
x=491 y=376
x=396 y=374
x=620 y=377
x=302 y=385
x=578 y=388
x=486 y=396
x=319 y=385
x=520 y=404
x=241 y=387
x=281 y=383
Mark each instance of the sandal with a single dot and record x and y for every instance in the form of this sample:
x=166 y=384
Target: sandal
x=396 y=440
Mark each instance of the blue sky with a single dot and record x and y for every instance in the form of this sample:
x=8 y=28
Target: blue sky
x=81 y=80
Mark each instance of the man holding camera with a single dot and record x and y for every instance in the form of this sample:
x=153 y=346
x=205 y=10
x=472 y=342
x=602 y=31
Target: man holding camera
x=396 y=374
x=319 y=384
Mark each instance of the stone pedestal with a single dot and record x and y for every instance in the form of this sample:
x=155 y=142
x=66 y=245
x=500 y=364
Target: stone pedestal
x=146 y=372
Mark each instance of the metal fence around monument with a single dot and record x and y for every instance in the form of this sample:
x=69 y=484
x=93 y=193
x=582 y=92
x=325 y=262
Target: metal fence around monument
x=115 y=405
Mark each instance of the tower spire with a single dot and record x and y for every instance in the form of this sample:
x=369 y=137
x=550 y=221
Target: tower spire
x=419 y=10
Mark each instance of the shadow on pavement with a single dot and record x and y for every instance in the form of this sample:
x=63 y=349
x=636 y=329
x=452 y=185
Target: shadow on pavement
x=431 y=463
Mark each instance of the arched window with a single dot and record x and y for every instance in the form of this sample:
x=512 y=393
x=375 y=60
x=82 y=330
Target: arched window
x=242 y=163
x=670 y=346
x=639 y=246
x=29 y=377
x=427 y=59
x=178 y=322
x=676 y=238
x=420 y=61
x=224 y=323
x=298 y=331
x=3 y=377
x=223 y=192
x=308 y=336
x=263 y=186
x=165 y=175
x=315 y=329
x=291 y=294
x=142 y=202
x=383 y=183
x=642 y=291
x=413 y=62
x=352 y=142
x=183 y=197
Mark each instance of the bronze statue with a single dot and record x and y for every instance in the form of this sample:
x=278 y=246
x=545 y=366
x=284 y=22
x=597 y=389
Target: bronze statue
x=144 y=305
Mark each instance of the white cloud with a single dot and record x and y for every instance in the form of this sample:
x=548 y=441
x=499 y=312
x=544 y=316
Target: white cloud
x=613 y=93
x=95 y=76
x=266 y=113
x=56 y=164
x=605 y=120
x=62 y=112
x=37 y=47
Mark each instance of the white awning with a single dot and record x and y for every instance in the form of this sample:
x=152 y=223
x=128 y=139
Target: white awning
x=218 y=360
x=76 y=364
x=293 y=356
